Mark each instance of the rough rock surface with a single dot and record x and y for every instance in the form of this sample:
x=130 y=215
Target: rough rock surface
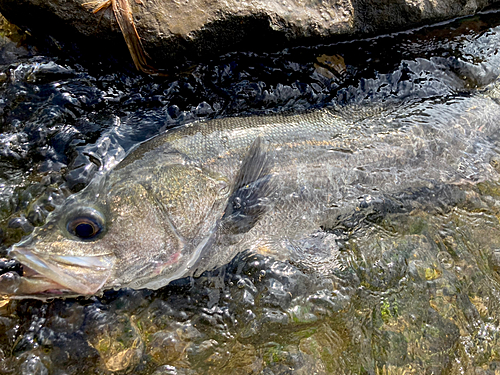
x=174 y=31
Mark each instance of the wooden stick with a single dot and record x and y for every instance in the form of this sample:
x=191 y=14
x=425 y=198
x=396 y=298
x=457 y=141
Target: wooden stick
x=123 y=15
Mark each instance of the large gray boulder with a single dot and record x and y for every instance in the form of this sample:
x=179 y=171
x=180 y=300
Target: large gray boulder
x=174 y=31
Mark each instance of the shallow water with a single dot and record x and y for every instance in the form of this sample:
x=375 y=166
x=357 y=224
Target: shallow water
x=417 y=293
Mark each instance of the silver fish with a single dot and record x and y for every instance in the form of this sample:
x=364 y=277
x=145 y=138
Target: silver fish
x=191 y=199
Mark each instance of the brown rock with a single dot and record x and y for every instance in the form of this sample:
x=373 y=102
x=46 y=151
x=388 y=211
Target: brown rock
x=174 y=31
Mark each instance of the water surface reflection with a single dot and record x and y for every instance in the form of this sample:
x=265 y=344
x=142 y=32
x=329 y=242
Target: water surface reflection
x=417 y=292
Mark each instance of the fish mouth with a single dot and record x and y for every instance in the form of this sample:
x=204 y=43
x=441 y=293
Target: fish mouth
x=60 y=274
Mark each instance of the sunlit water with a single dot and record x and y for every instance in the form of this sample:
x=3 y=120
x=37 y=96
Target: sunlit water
x=416 y=293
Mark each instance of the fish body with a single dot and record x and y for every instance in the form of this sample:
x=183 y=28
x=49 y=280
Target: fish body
x=191 y=199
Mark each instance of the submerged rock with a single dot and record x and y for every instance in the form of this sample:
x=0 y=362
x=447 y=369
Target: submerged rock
x=417 y=293
x=175 y=32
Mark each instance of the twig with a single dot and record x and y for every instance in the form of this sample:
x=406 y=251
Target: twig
x=123 y=15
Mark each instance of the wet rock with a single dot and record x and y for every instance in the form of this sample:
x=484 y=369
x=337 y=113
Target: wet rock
x=10 y=265
x=171 y=370
x=174 y=31
x=119 y=345
x=418 y=294
x=33 y=365
x=12 y=44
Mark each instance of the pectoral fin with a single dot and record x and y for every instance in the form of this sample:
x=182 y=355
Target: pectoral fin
x=253 y=187
x=249 y=200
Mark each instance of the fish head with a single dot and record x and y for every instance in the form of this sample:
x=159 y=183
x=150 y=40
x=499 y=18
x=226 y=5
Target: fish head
x=138 y=230
x=162 y=218
x=64 y=256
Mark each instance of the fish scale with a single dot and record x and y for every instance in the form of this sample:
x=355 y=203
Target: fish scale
x=190 y=200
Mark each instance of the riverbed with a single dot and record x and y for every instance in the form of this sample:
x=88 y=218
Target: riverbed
x=416 y=292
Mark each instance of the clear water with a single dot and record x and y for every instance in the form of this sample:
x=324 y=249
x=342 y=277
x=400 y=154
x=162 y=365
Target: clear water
x=418 y=293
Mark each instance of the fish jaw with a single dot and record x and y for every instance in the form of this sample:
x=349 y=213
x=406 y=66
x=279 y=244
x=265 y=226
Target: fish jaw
x=15 y=286
x=67 y=274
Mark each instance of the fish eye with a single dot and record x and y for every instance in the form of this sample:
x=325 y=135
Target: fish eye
x=85 y=225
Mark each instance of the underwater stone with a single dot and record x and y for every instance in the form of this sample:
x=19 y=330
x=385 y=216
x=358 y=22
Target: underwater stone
x=33 y=365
